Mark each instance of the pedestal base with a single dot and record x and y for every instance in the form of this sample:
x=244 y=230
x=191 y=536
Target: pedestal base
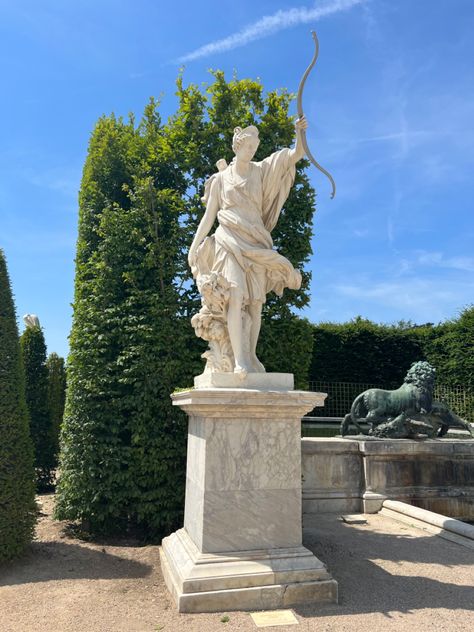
x=247 y=580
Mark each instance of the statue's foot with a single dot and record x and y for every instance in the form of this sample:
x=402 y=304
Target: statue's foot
x=240 y=371
x=257 y=366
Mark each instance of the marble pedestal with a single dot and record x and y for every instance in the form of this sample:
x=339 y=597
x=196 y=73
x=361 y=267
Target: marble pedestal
x=241 y=545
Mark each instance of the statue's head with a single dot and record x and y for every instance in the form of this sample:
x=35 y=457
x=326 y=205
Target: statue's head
x=421 y=374
x=245 y=142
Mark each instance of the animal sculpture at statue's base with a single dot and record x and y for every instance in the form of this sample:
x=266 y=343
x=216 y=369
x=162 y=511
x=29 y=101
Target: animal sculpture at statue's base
x=405 y=413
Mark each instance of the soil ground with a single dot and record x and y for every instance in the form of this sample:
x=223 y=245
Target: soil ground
x=391 y=577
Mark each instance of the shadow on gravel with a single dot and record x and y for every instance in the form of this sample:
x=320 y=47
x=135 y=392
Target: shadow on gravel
x=46 y=561
x=365 y=587
x=328 y=534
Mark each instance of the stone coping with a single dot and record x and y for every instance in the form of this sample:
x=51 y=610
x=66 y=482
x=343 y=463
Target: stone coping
x=442 y=526
x=437 y=520
x=382 y=447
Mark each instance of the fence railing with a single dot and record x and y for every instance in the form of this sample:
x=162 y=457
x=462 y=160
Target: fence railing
x=342 y=394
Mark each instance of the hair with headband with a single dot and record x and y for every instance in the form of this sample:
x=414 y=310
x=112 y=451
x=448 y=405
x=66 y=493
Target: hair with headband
x=241 y=134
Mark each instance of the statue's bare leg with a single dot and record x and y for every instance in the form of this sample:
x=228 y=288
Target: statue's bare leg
x=234 y=326
x=255 y=313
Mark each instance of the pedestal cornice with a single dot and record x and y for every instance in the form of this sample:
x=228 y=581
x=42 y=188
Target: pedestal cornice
x=235 y=402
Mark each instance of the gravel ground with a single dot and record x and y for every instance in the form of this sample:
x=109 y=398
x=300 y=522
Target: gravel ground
x=391 y=577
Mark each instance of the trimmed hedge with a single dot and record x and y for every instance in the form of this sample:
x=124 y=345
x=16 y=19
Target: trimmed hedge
x=56 y=398
x=362 y=351
x=451 y=350
x=285 y=345
x=123 y=443
x=17 y=478
x=33 y=348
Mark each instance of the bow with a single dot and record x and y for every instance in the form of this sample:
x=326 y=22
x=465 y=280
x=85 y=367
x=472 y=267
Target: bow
x=300 y=114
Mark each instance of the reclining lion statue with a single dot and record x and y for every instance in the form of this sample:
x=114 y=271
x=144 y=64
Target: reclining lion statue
x=405 y=412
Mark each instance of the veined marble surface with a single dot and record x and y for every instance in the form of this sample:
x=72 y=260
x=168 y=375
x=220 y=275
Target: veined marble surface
x=251 y=519
x=247 y=454
x=241 y=543
x=243 y=487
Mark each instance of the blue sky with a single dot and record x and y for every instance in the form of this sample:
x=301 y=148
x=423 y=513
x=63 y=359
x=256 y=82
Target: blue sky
x=391 y=112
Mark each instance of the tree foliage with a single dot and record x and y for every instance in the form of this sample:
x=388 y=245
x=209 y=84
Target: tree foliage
x=451 y=351
x=56 y=398
x=123 y=444
x=33 y=348
x=17 y=486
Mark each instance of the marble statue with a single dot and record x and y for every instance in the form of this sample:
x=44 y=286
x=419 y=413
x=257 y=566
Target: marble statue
x=407 y=412
x=236 y=267
x=31 y=320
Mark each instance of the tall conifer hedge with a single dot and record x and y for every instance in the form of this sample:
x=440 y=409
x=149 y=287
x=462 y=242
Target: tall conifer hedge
x=56 y=398
x=123 y=444
x=33 y=348
x=17 y=486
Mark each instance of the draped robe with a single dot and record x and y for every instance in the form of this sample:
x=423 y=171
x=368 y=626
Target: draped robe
x=241 y=249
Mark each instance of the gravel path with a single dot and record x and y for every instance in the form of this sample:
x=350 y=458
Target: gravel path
x=391 y=577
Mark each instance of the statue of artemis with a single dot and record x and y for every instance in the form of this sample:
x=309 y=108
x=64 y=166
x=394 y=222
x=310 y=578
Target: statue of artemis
x=236 y=267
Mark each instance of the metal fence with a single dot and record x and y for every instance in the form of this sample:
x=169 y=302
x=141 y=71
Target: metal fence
x=458 y=398
x=342 y=394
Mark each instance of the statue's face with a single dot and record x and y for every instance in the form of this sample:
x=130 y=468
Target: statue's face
x=247 y=148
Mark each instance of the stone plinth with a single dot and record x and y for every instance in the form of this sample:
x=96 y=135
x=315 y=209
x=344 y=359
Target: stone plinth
x=258 y=381
x=241 y=545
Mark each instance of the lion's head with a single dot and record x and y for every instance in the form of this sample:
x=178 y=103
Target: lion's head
x=421 y=374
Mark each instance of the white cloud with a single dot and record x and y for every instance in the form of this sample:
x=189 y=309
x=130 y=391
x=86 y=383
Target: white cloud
x=423 y=300
x=361 y=232
x=404 y=136
x=438 y=259
x=269 y=24
x=64 y=180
